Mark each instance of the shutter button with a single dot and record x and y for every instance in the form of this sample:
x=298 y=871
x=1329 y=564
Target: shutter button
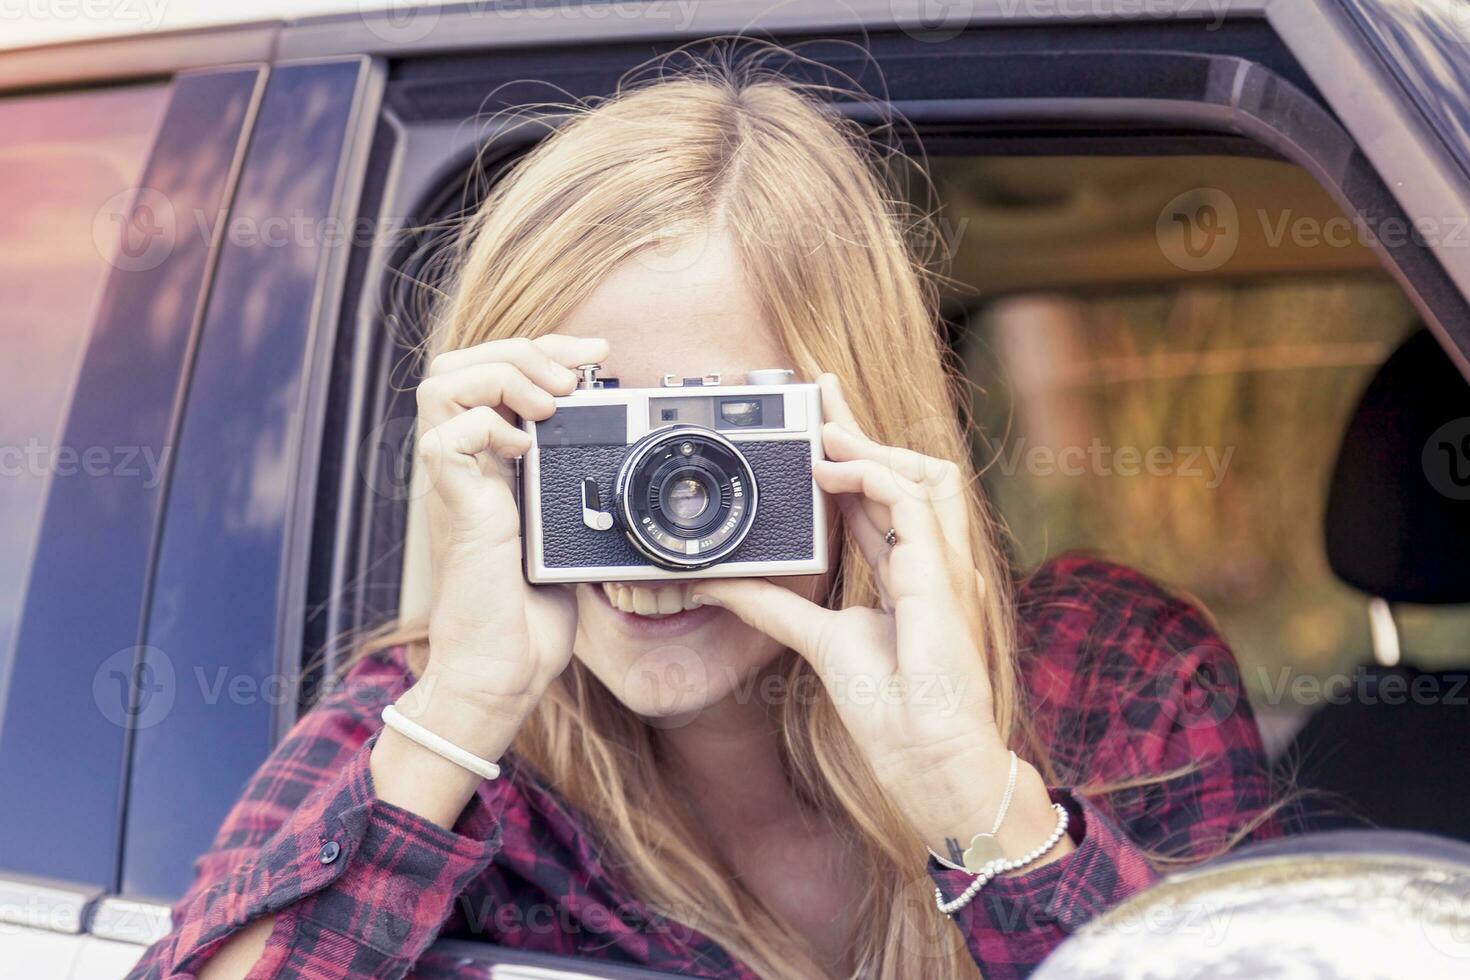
x=330 y=850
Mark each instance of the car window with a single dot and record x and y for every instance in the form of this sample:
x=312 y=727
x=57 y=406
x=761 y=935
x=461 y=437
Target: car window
x=1174 y=397
x=67 y=161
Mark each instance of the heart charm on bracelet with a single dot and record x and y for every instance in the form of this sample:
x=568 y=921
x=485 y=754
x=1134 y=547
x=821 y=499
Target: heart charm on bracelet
x=983 y=849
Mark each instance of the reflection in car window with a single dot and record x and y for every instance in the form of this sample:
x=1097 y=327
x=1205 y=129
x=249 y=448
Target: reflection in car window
x=64 y=161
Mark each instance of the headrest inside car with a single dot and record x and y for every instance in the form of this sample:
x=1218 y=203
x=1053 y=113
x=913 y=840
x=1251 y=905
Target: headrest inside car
x=1398 y=511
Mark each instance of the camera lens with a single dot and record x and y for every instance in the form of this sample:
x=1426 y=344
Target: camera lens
x=686 y=496
x=685 y=499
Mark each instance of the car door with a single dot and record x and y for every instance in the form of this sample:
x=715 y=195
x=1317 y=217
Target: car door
x=157 y=509
x=104 y=277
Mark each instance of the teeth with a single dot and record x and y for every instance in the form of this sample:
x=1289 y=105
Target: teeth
x=648 y=600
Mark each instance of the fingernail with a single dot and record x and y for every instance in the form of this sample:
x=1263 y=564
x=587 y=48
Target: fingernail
x=704 y=600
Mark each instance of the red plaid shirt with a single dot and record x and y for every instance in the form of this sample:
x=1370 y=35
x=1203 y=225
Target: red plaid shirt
x=1123 y=680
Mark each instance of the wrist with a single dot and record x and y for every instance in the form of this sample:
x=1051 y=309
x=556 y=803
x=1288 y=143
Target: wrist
x=968 y=795
x=417 y=779
x=484 y=725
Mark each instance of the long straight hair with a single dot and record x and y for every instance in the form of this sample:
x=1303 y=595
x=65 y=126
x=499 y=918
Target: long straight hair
x=839 y=260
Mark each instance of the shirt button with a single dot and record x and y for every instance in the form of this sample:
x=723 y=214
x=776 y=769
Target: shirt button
x=330 y=850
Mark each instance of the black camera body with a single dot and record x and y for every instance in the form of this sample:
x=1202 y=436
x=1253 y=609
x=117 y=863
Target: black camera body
x=693 y=479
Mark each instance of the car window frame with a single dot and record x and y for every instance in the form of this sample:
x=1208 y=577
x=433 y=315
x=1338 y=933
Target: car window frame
x=1244 y=100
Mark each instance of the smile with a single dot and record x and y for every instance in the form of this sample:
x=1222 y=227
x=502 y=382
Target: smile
x=652 y=601
x=653 y=612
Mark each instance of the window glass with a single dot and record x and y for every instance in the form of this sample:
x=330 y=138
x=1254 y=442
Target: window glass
x=1191 y=432
x=64 y=161
x=1177 y=403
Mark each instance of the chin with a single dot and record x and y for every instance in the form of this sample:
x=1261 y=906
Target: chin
x=665 y=666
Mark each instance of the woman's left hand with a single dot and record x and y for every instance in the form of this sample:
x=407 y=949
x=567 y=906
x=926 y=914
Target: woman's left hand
x=908 y=678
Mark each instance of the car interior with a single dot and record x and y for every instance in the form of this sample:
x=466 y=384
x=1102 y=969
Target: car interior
x=1396 y=527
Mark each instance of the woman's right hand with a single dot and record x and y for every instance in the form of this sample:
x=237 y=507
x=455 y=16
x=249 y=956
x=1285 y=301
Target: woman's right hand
x=495 y=642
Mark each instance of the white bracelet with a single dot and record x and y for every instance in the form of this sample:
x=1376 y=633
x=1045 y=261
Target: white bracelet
x=1001 y=867
x=417 y=733
x=1000 y=816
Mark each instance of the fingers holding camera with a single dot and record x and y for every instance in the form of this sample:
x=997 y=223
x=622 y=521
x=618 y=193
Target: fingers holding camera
x=518 y=375
x=916 y=574
x=939 y=482
x=547 y=359
x=887 y=500
x=830 y=640
x=497 y=385
x=476 y=430
x=451 y=453
x=467 y=435
x=870 y=542
x=468 y=401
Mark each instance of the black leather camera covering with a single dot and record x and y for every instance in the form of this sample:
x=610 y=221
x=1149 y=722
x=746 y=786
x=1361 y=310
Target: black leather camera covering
x=783 y=520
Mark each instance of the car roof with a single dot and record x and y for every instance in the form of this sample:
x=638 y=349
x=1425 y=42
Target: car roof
x=380 y=27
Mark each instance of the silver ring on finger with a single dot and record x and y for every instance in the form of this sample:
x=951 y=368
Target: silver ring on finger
x=890 y=538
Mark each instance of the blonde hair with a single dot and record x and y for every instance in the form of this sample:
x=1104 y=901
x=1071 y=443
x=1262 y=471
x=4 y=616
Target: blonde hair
x=836 y=257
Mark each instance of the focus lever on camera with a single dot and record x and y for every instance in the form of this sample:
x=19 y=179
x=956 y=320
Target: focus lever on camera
x=592 y=513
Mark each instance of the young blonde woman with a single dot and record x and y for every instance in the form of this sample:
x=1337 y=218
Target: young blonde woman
x=739 y=777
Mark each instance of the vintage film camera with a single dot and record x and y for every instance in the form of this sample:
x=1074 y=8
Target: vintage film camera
x=695 y=479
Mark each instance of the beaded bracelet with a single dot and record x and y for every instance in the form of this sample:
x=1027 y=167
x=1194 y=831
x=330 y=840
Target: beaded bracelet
x=1000 y=817
x=998 y=867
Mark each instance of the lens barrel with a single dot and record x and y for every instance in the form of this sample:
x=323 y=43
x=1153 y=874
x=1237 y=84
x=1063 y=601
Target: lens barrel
x=686 y=496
